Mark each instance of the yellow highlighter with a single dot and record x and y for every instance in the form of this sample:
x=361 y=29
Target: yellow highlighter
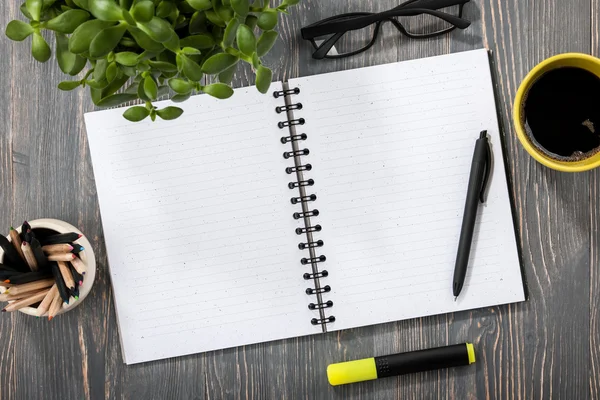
x=399 y=364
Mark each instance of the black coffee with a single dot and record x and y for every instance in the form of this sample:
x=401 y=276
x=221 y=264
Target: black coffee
x=562 y=113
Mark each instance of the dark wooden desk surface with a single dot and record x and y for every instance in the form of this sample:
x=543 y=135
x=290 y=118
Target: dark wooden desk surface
x=545 y=348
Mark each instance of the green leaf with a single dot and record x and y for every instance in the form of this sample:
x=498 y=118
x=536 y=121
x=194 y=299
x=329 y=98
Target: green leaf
x=200 y=5
x=24 y=11
x=263 y=79
x=80 y=40
x=158 y=29
x=190 y=69
x=127 y=58
x=68 y=21
x=143 y=11
x=114 y=85
x=218 y=63
x=84 y=4
x=106 y=40
x=136 y=114
x=197 y=23
x=214 y=18
x=173 y=43
x=95 y=94
x=203 y=41
x=128 y=18
x=255 y=61
x=225 y=13
x=227 y=75
x=116 y=99
x=125 y=4
x=162 y=66
x=266 y=42
x=69 y=85
x=68 y=62
x=100 y=70
x=245 y=40
x=97 y=84
x=169 y=113
x=218 y=90
x=141 y=93
x=230 y=32
x=181 y=86
x=241 y=7
x=129 y=71
x=153 y=115
x=251 y=21
x=150 y=88
x=164 y=9
x=34 y=7
x=178 y=98
x=267 y=20
x=39 y=48
x=111 y=71
x=144 y=41
x=106 y=10
x=190 y=51
x=18 y=30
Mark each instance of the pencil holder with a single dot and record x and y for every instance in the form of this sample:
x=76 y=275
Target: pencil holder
x=50 y=226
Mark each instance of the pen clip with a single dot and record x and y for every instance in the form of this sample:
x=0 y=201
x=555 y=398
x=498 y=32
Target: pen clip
x=488 y=164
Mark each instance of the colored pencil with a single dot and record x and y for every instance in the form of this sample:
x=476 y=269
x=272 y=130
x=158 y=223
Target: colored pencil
x=27 y=277
x=28 y=236
x=76 y=275
x=31 y=260
x=60 y=238
x=47 y=302
x=27 y=301
x=66 y=274
x=60 y=283
x=77 y=248
x=57 y=248
x=61 y=257
x=11 y=297
x=79 y=265
x=11 y=257
x=24 y=229
x=42 y=262
x=15 y=239
x=6 y=275
x=75 y=293
x=30 y=287
x=55 y=306
x=4 y=267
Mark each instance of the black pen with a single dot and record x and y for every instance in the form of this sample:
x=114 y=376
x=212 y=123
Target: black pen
x=480 y=172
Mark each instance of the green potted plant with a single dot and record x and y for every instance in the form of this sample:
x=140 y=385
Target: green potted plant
x=139 y=49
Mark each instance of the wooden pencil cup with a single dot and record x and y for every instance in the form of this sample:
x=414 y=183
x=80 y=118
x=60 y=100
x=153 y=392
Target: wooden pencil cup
x=87 y=256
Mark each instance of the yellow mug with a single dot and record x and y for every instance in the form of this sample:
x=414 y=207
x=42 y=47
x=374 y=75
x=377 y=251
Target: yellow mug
x=583 y=61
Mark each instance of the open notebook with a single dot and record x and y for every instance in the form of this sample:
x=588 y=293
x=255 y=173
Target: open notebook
x=204 y=241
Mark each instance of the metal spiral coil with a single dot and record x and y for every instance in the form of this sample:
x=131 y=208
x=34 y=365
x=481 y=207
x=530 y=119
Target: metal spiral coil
x=304 y=198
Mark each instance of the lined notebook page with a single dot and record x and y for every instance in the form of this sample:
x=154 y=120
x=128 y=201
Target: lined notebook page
x=198 y=227
x=391 y=149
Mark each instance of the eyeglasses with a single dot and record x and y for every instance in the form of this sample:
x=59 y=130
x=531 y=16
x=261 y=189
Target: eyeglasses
x=349 y=34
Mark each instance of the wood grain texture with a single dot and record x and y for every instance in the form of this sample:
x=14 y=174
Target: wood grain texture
x=548 y=347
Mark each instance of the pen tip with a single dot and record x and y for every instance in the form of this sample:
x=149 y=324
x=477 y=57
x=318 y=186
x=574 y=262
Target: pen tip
x=482 y=134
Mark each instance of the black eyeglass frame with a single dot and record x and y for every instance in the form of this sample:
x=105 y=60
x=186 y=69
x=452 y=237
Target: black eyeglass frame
x=339 y=25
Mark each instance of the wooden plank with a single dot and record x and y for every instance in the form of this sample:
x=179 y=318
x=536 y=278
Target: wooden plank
x=594 y=338
x=534 y=353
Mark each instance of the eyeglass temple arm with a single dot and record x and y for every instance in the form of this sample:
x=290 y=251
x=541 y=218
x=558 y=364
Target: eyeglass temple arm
x=311 y=32
x=431 y=4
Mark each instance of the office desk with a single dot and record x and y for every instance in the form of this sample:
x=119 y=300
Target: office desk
x=547 y=347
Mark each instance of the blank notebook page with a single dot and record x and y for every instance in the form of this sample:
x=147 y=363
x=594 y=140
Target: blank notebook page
x=391 y=149
x=198 y=227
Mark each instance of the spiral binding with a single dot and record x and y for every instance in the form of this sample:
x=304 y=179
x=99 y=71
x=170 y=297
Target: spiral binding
x=304 y=199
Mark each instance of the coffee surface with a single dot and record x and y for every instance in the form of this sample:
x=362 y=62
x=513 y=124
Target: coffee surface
x=562 y=113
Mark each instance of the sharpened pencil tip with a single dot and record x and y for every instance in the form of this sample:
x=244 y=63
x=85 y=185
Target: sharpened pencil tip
x=50 y=318
x=7 y=281
x=79 y=236
x=76 y=297
x=3 y=310
x=455 y=297
x=72 y=256
x=12 y=229
x=70 y=247
x=80 y=283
